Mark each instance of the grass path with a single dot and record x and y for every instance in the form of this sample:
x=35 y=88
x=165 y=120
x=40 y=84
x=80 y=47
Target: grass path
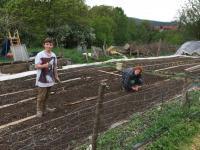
x=194 y=145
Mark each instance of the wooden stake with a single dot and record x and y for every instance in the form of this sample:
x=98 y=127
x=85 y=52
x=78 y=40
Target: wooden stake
x=86 y=52
x=185 y=93
x=159 y=46
x=138 y=53
x=111 y=73
x=81 y=101
x=99 y=106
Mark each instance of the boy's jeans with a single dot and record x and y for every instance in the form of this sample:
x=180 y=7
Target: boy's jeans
x=43 y=94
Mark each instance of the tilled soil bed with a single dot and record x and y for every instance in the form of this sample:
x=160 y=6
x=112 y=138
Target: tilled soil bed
x=75 y=99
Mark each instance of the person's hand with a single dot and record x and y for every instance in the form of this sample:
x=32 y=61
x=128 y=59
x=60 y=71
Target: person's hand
x=135 y=88
x=45 y=65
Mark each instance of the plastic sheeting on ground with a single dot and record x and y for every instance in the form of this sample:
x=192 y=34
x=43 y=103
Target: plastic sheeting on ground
x=190 y=48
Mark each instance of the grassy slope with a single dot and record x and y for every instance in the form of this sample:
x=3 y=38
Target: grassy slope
x=171 y=128
x=182 y=133
x=153 y=22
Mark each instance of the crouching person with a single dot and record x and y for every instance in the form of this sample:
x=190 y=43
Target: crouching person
x=46 y=65
x=132 y=79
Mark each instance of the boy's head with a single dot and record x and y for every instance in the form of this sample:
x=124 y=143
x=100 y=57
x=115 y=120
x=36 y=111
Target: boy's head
x=138 y=70
x=48 y=44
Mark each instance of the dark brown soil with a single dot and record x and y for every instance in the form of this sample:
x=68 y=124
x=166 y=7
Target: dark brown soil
x=74 y=116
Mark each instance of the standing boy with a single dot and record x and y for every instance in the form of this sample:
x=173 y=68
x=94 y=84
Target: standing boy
x=46 y=65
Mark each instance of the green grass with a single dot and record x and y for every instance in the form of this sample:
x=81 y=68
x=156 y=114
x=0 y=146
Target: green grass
x=166 y=129
x=193 y=145
x=166 y=53
x=182 y=132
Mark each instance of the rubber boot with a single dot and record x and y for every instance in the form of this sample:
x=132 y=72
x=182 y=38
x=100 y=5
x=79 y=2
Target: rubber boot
x=46 y=108
x=40 y=102
x=40 y=112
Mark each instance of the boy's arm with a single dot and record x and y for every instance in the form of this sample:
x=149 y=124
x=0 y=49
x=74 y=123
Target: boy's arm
x=56 y=75
x=38 y=63
x=56 y=72
x=39 y=66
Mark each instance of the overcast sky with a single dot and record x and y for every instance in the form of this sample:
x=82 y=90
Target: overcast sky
x=159 y=10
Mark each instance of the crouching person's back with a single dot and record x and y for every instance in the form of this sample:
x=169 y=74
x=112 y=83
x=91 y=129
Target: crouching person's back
x=132 y=79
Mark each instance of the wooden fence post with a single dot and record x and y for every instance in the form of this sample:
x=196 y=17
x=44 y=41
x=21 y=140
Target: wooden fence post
x=162 y=100
x=185 y=93
x=138 y=53
x=159 y=46
x=99 y=106
x=85 y=48
x=187 y=100
x=104 y=48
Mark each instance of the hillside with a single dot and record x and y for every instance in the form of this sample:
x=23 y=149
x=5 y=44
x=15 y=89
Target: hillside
x=153 y=22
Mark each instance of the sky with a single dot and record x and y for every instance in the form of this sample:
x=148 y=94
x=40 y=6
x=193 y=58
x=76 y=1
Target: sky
x=158 y=10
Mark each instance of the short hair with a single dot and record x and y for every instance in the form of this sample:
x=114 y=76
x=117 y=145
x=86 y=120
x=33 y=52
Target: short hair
x=138 y=68
x=48 y=40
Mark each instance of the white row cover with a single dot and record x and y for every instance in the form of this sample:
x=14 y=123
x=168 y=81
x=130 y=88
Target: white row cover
x=190 y=48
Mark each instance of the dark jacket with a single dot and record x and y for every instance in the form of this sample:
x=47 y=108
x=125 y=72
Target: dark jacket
x=5 y=47
x=129 y=79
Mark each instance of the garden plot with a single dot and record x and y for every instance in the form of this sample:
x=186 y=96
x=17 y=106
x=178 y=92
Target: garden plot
x=75 y=99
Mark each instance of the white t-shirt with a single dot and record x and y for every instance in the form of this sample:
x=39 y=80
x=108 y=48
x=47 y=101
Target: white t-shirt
x=46 y=76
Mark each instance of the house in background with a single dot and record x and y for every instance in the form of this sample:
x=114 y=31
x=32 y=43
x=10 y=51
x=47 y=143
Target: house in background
x=166 y=27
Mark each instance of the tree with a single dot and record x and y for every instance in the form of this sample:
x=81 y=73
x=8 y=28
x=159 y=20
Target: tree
x=7 y=20
x=171 y=37
x=101 y=20
x=131 y=30
x=43 y=17
x=103 y=30
x=189 y=19
x=110 y=24
x=106 y=11
x=145 y=32
x=121 y=26
x=3 y=3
